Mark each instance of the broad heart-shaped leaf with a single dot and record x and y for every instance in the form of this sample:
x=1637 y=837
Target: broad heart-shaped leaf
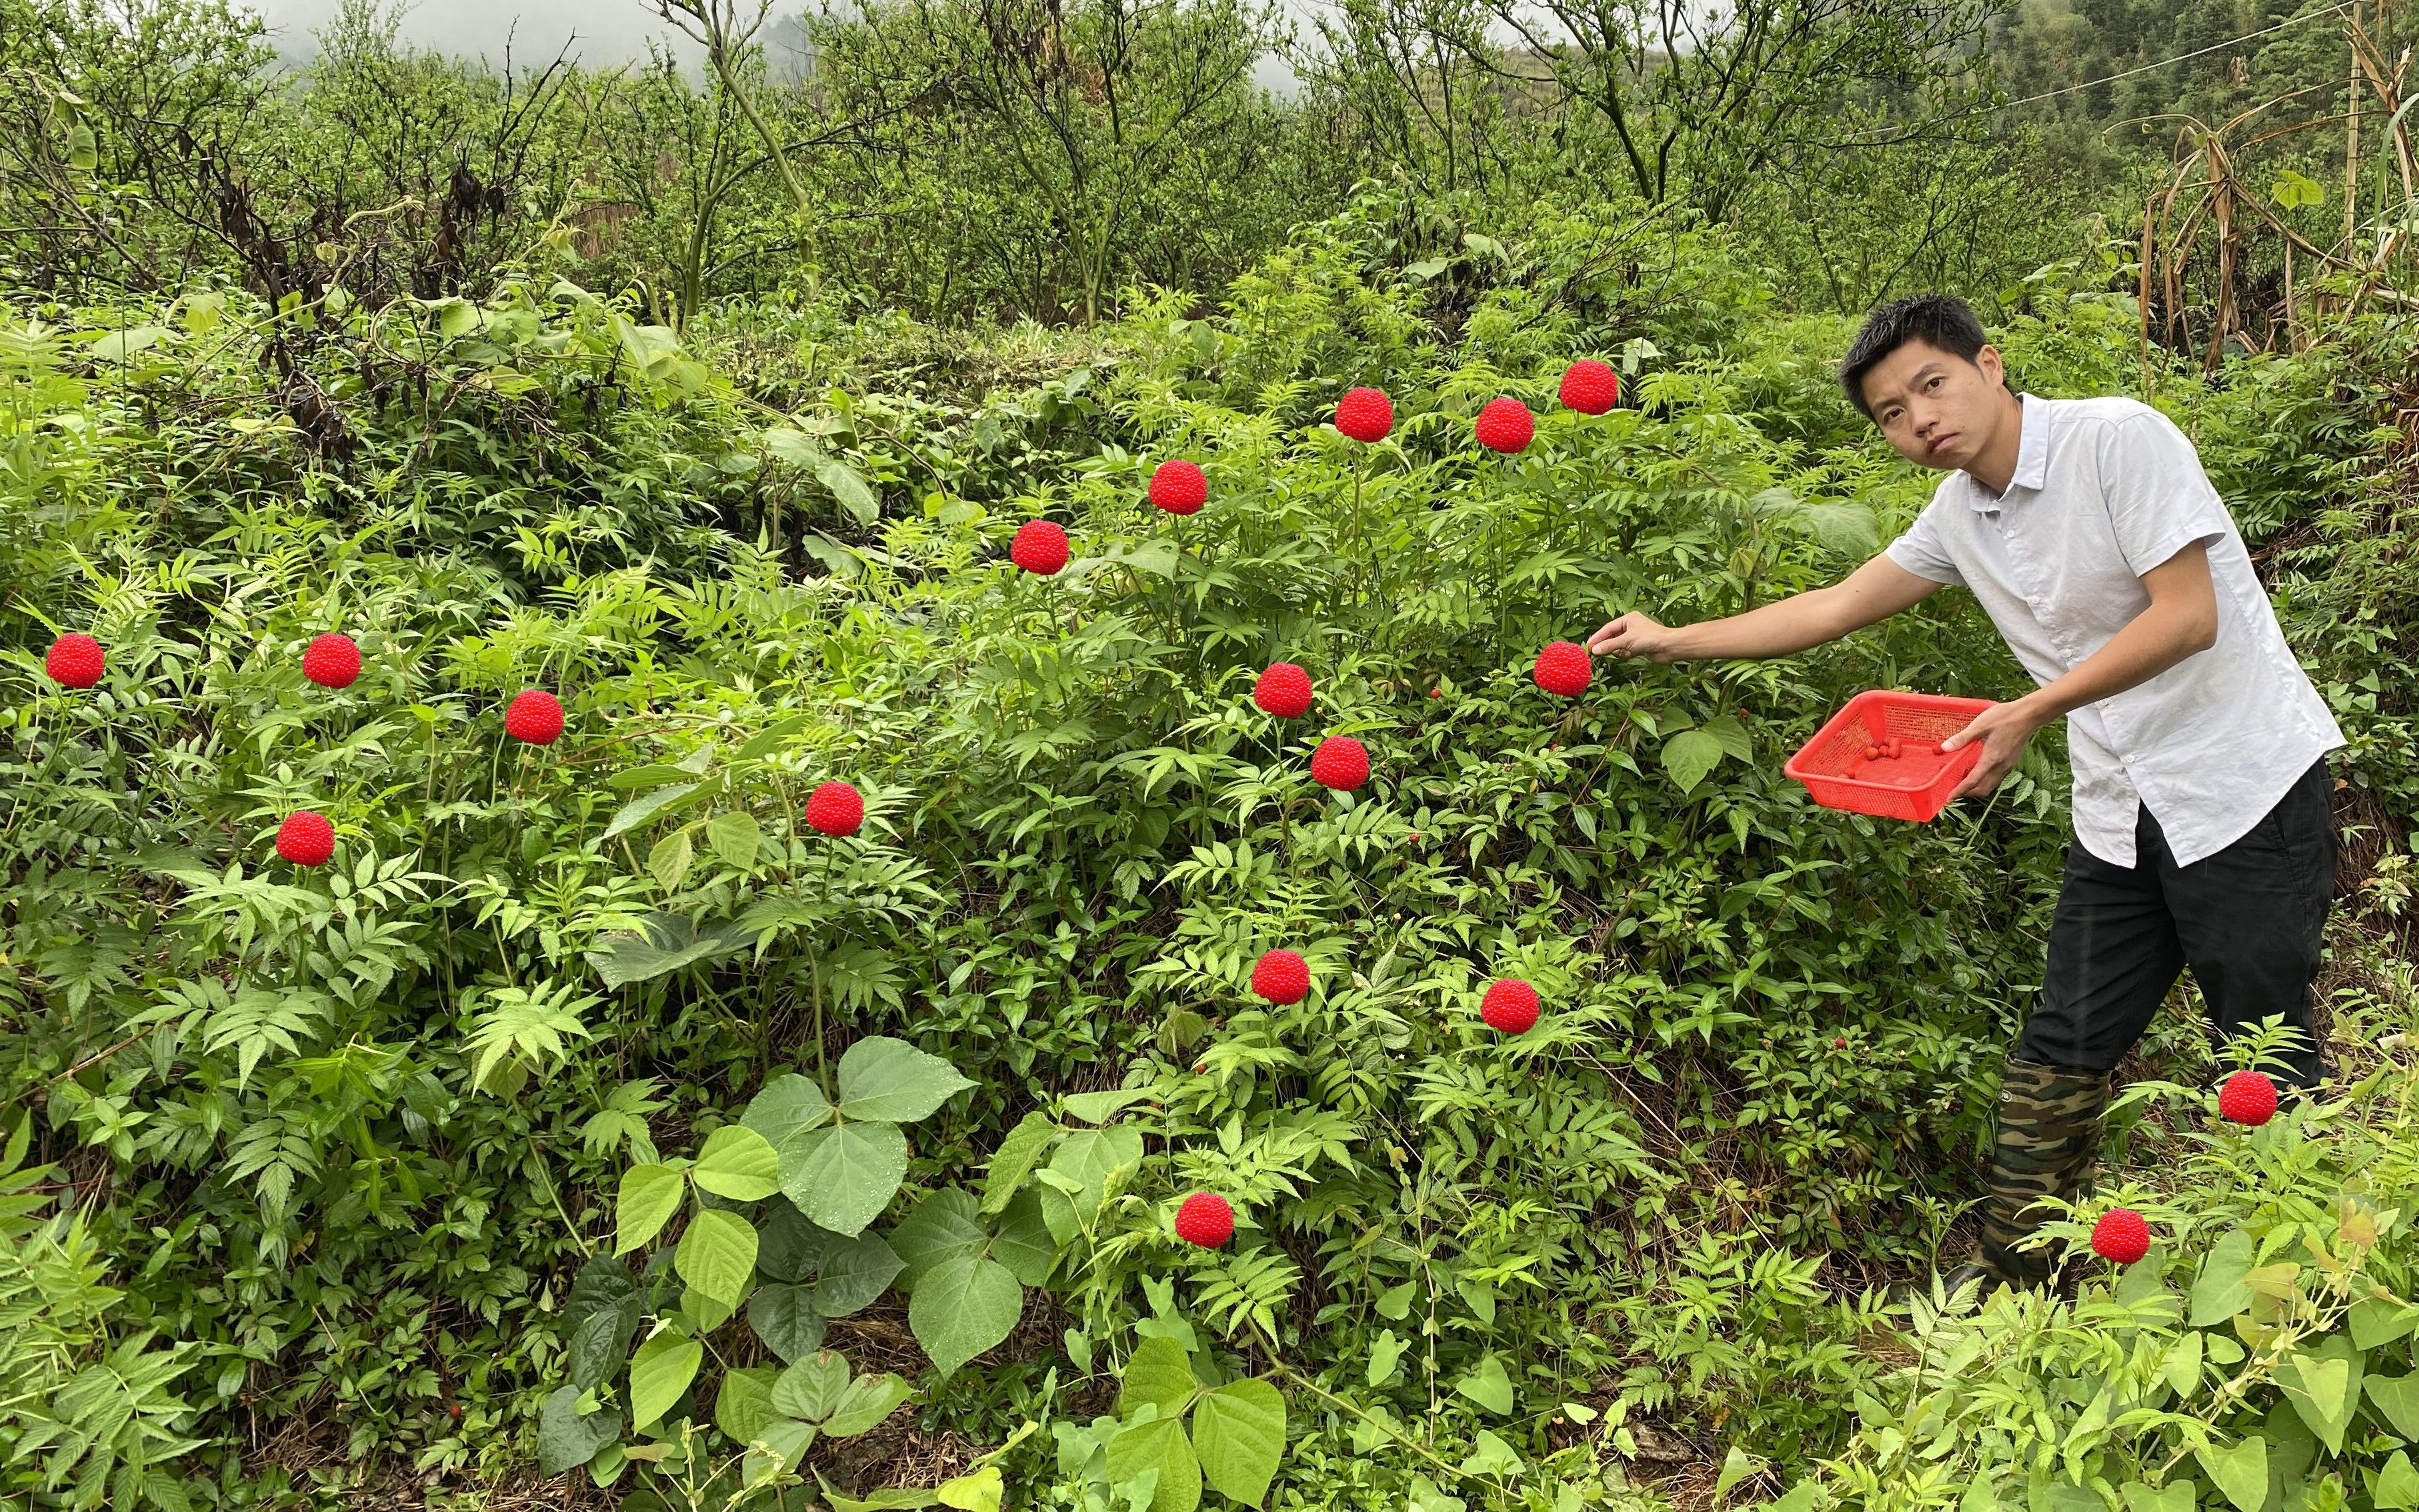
x=660 y=1373
x=1100 y=1107
x=1015 y=1158
x=2323 y=1385
x=670 y=860
x=892 y=1081
x=739 y=1164
x=963 y=1307
x=662 y=944
x=2397 y=1398
x=2377 y=1321
x=1238 y=1431
x=1095 y=1158
x=1161 y=1373
x=2241 y=1472
x=2176 y=1496
x=794 y=1248
x=809 y=1390
x=604 y=1282
x=744 y=1404
x=650 y=1196
x=2396 y=1485
x=566 y=1438
x=1158 y=1444
x=1023 y=1243
x=854 y=1272
x=1690 y=756
x=717 y=1256
x=787 y=1104
x=1488 y=1385
x=2221 y=1290
x=785 y=1318
x=735 y=837
x=943 y=1228
x=843 y=1175
x=867 y=1401
x=600 y=1343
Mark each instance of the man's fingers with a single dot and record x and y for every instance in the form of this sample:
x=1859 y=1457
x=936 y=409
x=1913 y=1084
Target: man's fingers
x=1961 y=737
x=1603 y=639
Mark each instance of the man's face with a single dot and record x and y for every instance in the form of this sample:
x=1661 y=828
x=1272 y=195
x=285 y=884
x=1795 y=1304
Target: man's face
x=1938 y=409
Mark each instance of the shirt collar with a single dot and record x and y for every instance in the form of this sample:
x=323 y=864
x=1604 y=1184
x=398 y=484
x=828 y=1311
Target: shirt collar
x=2032 y=457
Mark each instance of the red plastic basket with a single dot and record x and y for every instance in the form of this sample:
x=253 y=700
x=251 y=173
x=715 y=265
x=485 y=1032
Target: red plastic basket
x=1917 y=783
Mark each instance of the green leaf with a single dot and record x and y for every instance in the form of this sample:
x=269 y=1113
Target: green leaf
x=2240 y=1472
x=963 y=1307
x=2323 y=1385
x=2221 y=1291
x=2397 y=1398
x=1490 y=1456
x=1158 y=1372
x=1690 y=756
x=1100 y=1107
x=943 y=1228
x=842 y=1177
x=650 y=1196
x=1238 y=1431
x=1024 y=1243
x=786 y=1321
x=811 y=1389
x=892 y=1081
x=638 y=810
x=1488 y=1385
x=787 y=1104
x=744 y=1404
x=854 y=1272
x=735 y=837
x=849 y=487
x=739 y=1164
x=566 y=1438
x=2181 y=1367
x=1158 y=1445
x=1736 y=1466
x=660 y=1373
x=2379 y=1321
x=867 y=1401
x=1385 y=1357
x=670 y=859
x=599 y=1343
x=1015 y=1158
x=1731 y=736
x=662 y=944
x=717 y=1256
x=2396 y=1485
x=2175 y=1496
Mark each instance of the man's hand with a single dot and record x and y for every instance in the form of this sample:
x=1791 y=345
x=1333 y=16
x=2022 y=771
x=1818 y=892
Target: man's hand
x=2002 y=728
x=1635 y=635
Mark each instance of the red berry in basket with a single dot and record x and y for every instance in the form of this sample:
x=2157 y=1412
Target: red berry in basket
x=1365 y=414
x=1283 y=691
x=1040 y=548
x=1504 y=425
x=1510 y=1005
x=1590 y=386
x=836 y=809
x=2247 y=1097
x=1179 y=488
x=1281 y=977
x=306 y=839
x=1564 y=668
x=2121 y=1236
x=74 y=661
x=1206 y=1219
x=333 y=661
x=535 y=718
x=1340 y=763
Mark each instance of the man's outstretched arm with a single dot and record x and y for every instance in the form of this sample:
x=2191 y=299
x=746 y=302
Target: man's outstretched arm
x=1873 y=592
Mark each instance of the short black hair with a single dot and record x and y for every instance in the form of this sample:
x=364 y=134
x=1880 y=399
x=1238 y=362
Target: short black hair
x=1941 y=320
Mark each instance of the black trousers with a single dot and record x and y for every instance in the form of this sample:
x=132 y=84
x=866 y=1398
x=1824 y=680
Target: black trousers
x=2249 y=920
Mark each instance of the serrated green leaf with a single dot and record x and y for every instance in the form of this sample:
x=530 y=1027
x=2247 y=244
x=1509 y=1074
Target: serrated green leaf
x=650 y=1196
x=844 y=1175
x=809 y=1390
x=1100 y=1107
x=784 y=1316
x=867 y=1401
x=854 y=1272
x=1158 y=1372
x=717 y=1256
x=670 y=859
x=1024 y=1243
x=744 y=1404
x=739 y=1164
x=943 y=1228
x=1018 y=1154
x=787 y=1104
x=638 y=810
x=1238 y=1434
x=1160 y=1446
x=735 y=837
x=892 y=1081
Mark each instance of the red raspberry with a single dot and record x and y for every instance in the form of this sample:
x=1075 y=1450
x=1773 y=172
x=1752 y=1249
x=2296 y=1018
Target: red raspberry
x=1564 y=669
x=1206 y=1219
x=1282 y=976
x=1179 y=488
x=333 y=661
x=1504 y=425
x=2247 y=1097
x=2121 y=1236
x=306 y=839
x=1590 y=386
x=1340 y=763
x=534 y=719
x=74 y=661
x=1365 y=414
x=836 y=809
x=1039 y=547
x=1283 y=691
x=1511 y=1006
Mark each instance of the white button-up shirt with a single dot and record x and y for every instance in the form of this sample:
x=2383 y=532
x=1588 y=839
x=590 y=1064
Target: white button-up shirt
x=2103 y=491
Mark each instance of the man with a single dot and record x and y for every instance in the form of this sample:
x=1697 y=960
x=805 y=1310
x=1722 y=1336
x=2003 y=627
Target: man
x=2203 y=811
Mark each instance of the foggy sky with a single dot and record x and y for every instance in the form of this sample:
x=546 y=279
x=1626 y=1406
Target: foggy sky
x=609 y=31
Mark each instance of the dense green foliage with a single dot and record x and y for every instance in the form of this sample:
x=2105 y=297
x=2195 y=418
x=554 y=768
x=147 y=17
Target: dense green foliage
x=592 y=1117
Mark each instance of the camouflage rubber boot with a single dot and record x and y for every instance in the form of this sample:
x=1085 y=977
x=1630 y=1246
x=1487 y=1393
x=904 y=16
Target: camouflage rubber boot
x=2049 y=1134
